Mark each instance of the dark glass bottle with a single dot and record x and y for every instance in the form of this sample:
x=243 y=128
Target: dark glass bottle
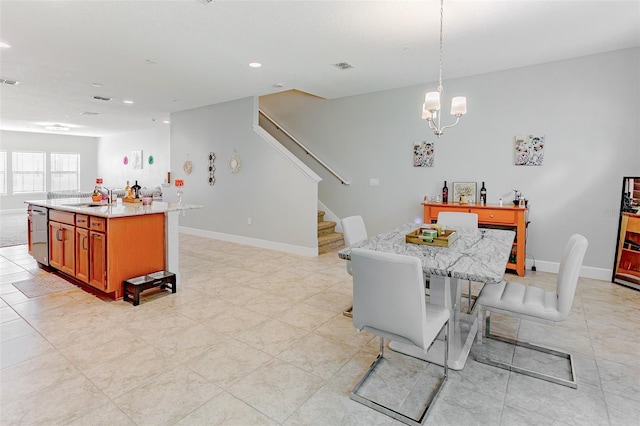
x=445 y=193
x=483 y=195
x=136 y=190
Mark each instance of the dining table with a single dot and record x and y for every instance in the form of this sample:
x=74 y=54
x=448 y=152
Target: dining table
x=477 y=254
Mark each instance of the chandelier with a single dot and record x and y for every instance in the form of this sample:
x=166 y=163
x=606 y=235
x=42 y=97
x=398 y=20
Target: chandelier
x=431 y=106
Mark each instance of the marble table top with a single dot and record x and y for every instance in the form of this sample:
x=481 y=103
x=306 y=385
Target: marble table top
x=478 y=255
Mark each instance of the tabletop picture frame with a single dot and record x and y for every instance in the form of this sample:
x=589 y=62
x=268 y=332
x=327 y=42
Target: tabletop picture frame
x=464 y=192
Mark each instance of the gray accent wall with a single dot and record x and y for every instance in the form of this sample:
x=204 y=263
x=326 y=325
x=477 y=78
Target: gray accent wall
x=587 y=109
x=270 y=188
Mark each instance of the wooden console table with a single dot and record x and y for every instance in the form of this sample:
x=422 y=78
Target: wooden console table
x=507 y=217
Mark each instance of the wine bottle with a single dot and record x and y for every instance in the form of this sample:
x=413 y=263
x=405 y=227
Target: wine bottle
x=445 y=193
x=136 y=190
x=483 y=195
x=127 y=191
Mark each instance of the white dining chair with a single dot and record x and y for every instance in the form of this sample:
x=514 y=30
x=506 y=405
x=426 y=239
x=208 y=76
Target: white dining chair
x=533 y=303
x=457 y=220
x=389 y=301
x=354 y=231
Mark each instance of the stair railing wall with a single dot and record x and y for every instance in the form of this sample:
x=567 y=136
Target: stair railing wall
x=304 y=148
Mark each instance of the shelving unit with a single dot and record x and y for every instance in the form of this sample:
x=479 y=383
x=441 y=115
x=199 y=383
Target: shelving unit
x=627 y=270
x=506 y=217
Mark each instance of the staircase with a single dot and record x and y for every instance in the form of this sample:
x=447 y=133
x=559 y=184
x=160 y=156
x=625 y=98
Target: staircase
x=328 y=238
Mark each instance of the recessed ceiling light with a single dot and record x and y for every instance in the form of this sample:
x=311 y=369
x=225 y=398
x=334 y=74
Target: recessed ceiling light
x=89 y=113
x=150 y=62
x=166 y=121
x=255 y=64
x=96 y=84
x=4 y=45
x=278 y=85
x=127 y=101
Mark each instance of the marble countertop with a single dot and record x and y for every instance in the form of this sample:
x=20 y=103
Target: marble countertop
x=89 y=207
x=478 y=255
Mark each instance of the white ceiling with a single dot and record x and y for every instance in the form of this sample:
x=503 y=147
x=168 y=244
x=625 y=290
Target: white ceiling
x=201 y=51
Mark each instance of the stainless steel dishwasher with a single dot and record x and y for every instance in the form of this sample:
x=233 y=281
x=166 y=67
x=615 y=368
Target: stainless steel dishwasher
x=39 y=233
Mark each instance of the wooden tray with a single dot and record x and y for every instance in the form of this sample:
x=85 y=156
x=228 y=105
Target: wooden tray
x=415 y=237
x=131 y=200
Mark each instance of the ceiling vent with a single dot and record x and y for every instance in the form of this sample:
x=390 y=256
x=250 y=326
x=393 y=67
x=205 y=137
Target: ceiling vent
x=343 y=65
x=89 y=113
x=101 y=98
x=9 y=82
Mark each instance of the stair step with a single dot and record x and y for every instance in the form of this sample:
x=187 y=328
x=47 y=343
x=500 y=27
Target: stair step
x=326 y=227
x=330 y=242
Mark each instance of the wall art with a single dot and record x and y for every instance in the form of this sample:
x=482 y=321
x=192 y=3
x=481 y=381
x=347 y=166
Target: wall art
x=423 y=154
x=136 y=160
x=529 y=150
x=212 y=169
x=234 y=163
x=464 y=193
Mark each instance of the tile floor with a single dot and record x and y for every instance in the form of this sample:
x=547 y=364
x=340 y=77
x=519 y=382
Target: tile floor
x=256 y=337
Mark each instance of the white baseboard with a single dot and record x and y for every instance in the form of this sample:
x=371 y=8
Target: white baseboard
x=586 y=271
x=254 y=242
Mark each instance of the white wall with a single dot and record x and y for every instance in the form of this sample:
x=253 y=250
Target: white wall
x=587 y=108
x=113 y=149
x=269 y=189
x=41 y=142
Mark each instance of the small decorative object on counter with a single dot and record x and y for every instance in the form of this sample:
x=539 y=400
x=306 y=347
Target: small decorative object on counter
x=179 y=185
x=483 y=195
x=521 y=202
x=127 y=191
x=445 y=193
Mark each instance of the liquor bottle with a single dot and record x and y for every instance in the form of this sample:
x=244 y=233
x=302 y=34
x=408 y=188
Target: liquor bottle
x=136 y=190
x=483 y=195
x=445 y=193
x=127 y=191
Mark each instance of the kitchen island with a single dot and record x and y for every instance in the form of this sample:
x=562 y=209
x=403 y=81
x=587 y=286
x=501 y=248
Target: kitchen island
x=101 y=244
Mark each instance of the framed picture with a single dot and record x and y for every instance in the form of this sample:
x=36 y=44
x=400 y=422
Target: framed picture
x=464 y=192
x=529 y=150
x=423 y=154
x=136 y=160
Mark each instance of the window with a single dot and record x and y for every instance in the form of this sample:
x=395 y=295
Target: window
x=65 y=171
x=28 y=172
x=3 y=172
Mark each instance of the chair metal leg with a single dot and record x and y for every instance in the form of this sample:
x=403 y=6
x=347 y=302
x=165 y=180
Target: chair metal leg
x=572 y=383
x=389 y=411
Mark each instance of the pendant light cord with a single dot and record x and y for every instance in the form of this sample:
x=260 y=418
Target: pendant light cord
x=441 y=31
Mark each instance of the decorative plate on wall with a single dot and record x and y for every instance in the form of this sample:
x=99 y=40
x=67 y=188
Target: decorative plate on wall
x=234 y=164
x=187 y=167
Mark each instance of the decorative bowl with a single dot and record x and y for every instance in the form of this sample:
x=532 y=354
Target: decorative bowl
x=517 y=202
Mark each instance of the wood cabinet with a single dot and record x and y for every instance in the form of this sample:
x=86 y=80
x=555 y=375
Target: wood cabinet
x=62 y=241
x=98 y=254
x=104 y=252
x=508 y=217
x=82 y=254
x=627 y=268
